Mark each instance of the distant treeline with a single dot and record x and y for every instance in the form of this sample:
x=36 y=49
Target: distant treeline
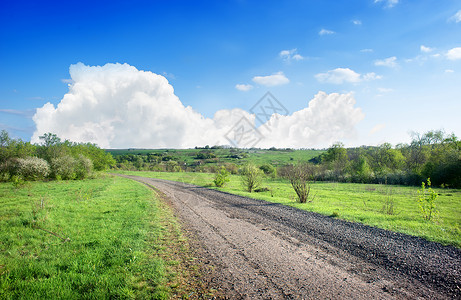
x=52 y=159
x=434 y=155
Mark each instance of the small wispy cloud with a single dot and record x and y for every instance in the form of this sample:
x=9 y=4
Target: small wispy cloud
x=169 y=75
x=288 y=55
x=385 y=90
x=356 y=22
x=449 y=71
x=28 y=113
x=243 y=87
x=67 y=80
x=426 y=49
x=390 y=62
x=272 y=80
x=388 y=3
x=345 y=75
x=35 y=98
x=377 y=128
x=456 y=17
x=367 y=50
x=324 y=31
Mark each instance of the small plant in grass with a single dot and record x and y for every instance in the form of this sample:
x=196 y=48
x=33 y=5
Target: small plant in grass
x=334 y=214
x=221 y=177
x=388 y=206
x=17 y=181
x=426 y=200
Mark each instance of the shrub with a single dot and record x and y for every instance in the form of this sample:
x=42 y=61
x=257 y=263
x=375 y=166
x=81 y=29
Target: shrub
x=221 y=177
x=32 y=168
x=232 y=168
x=251 y=177
x=83 y=167
x=8 y=168
x=269 y=170
x=64 y=167
x=300 y=177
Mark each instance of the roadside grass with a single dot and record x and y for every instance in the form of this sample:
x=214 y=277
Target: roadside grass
x=389 y=207
x=91 y=239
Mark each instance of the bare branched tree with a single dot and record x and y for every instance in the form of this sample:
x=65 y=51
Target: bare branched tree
x=301 y=176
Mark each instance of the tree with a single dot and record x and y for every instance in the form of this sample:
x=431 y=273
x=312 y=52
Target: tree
x=221 y=177
x=385 y=158
x=251 y=177
x=362 y=169
x=300 y=177
x=336 y=158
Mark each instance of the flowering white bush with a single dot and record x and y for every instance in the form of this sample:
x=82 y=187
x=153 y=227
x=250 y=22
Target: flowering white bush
x=32 y=168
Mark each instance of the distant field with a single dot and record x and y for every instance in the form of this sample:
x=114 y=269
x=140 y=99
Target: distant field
x=106 y=238
x=258 y=156
x=365 y=203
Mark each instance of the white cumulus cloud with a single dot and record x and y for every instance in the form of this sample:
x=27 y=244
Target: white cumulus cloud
x=390 y=62
x=118 y=106
x=324 y=31
x=243 y=87
x=454 y=54
x=328 y=118
x=343 y=75
x=272 y=80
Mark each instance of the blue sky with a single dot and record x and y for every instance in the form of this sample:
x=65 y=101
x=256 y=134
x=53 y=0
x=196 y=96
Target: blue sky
x=400 y=59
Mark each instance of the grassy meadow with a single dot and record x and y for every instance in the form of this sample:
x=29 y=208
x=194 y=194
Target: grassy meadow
x=103 y=238
x=386 y=206
x=239 y=156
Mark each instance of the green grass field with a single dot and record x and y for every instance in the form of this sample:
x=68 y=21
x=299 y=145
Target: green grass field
x=104 y=238
x=365 y=203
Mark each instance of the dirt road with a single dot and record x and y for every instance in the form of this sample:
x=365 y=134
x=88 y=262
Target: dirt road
x=261 y=250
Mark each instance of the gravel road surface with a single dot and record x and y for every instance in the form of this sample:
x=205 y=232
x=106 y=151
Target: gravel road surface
x=261 y=250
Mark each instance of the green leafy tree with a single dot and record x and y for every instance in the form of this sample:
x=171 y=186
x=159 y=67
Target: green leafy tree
x=336 y=158
x=362 y=169
x=221 y=177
